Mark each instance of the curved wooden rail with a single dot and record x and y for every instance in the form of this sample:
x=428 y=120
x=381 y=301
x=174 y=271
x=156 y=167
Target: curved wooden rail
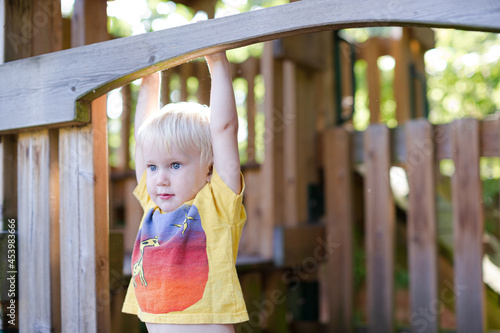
x=41 y=91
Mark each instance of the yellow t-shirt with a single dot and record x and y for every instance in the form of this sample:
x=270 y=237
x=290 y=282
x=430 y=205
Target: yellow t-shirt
x=183 y=263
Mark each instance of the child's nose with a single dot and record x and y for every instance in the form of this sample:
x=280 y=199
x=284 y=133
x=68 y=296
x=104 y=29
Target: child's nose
x=163 y=179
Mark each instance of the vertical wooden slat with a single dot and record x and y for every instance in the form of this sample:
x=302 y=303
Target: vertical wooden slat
x=290 y=144
x=272 y=168
x=101 y=198
x=400 y=49
x=165 y=88
x=249 y=73
x=2 y=33
x=55 y=258
x=34 y=232
x=372 y=52
x=468 y=226
x=78 y=266
x=124 y=149
x=339 y=227
x=203 y=75
x=380 y=229
x=422 y=242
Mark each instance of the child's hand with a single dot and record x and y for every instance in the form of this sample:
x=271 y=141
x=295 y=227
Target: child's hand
x=151 y=81
x=216 y=58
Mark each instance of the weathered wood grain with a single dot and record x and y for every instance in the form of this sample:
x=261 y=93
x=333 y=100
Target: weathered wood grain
x=468 y=227
x=34 y=232
x=77 y=214
x=339 y=227
x=422 y=227
x=379 y=229
x=46 y=92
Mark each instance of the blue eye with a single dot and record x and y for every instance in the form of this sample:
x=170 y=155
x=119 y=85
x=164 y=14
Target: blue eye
x=176 y=166
x=152 y=167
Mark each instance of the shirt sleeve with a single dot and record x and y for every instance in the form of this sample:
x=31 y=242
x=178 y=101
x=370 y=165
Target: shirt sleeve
x=141 y=192
x=229 y=204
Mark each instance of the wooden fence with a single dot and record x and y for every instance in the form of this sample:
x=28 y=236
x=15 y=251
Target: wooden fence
x=417 y=146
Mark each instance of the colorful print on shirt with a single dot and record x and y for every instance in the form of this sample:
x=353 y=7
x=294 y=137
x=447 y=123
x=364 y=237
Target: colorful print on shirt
x=170 y=259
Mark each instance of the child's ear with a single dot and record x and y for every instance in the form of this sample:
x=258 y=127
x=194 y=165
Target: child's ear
x=210 y=172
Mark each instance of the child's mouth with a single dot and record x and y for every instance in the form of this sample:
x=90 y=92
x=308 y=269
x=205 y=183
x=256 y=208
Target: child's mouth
x=165 y=196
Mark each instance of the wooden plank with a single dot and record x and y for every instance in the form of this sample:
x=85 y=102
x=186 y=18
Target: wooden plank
x=339 y=227
x=490 y=136
x=34 y=232
x=77 y=214
x=101 y=202
x=290 y=145
x=55 y=257
x=2 y=32
x=422 y=226
x=204 y=85
x=124 y=148
x=400 y=50
x=468 y=227
x=379 y=229
x=47 y=94
x=165 y=88
x=373 y=52
x=251 y=237
x=272 y=168
x=250 y=71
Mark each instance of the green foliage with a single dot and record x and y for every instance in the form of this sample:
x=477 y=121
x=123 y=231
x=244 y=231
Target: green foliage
x=463 y=75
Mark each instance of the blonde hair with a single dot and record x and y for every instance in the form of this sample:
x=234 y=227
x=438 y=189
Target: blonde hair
x=179 y=126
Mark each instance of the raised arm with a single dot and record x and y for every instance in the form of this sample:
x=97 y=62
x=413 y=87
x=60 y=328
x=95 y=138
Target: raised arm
x=224 y=122
x=147 y=102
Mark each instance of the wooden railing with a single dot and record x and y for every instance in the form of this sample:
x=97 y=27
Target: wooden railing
x=417 y=146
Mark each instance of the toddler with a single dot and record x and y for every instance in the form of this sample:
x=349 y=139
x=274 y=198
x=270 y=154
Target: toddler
x=190 y=187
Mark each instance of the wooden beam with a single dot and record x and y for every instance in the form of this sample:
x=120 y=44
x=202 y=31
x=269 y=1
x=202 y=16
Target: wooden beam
x=468 y=227
x=380 y=229
x=422 y=225
x=46 y=95
x=339 y=227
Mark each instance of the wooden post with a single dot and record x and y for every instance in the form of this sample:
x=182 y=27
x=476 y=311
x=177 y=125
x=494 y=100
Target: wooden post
x=380 y=229
x=468 y=227
x=34 y=28
x=84 y=199
x=422 y=227
x=339 y=227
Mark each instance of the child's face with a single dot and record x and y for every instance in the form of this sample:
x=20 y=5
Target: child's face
x=173 y=179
